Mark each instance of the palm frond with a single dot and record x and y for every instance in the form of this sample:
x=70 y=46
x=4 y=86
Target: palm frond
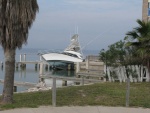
x=132 y=35
x=16 y=17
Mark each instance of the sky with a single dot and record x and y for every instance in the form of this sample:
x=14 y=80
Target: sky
x=99 y=23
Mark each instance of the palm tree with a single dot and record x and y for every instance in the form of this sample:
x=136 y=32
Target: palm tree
x=16 y=17
x=140 y=39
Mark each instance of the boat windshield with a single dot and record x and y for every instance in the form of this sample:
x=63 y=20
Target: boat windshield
x=70 y=54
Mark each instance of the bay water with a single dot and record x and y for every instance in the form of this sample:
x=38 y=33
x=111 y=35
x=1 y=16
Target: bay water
x=30 y=74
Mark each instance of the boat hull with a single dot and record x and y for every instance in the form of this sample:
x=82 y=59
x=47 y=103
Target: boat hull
x=53 y=57
x=60 y=61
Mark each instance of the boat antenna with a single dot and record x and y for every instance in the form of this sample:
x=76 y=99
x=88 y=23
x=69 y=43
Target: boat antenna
x=96 y=38
x=77 y=31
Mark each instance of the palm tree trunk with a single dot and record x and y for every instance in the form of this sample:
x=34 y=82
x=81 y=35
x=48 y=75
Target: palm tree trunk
x=7 y=96
x=148 y=66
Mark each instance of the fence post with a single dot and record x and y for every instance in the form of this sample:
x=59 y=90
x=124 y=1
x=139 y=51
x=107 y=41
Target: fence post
x=127 y=92
x=54 y=92
x=82 y=80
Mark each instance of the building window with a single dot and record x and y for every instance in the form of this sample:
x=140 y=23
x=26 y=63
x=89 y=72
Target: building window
x=148 y=7
x=148 y=11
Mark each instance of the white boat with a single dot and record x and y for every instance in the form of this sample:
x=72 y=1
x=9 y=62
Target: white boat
x=72 y=54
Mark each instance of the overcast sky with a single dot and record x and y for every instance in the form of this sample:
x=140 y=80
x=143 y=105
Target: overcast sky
x=100 y=22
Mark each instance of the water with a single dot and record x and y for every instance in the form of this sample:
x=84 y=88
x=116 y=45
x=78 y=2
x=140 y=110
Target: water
x=28 y=75
x=31 y=74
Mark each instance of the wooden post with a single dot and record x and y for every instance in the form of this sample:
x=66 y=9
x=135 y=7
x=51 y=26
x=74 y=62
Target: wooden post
x=21 y=60
x=41 y=69
x=36 y=66
x=54 y=92
x=64 y=83
x=20 y=57
x=87 y=62
x=1 y=65
x=24 y=57
x=82 y=80
x=77 y=67
x=15 y=89
x=127 y=92
x=24 y=65
x=41 y=72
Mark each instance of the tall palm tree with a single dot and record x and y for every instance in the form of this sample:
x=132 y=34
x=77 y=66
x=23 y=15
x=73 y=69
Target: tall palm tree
x=16 y=17
x=140 y=39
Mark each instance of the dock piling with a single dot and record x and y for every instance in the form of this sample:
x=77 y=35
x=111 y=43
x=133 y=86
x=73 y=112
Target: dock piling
x=15 y=88
x=41 y=69
x=1 y=65
x=64 y=83
x=24 y=57
x=20 y=57
x=36 y=65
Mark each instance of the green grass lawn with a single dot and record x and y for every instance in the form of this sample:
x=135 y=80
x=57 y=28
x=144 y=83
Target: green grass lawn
x=106 y=94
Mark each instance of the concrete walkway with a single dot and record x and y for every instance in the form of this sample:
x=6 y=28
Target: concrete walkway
x=78 y=109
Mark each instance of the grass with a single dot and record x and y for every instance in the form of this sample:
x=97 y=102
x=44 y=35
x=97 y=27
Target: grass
x=106 y=94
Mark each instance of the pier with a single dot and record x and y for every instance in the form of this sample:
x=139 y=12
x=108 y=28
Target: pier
x=90 y=71
x=90 y=63
x=48 y=76
x=23 y=62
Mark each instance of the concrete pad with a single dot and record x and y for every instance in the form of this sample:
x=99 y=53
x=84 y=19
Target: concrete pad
x=87 y=109
x=24 y=110
x=122 y=110
x=78 y=109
